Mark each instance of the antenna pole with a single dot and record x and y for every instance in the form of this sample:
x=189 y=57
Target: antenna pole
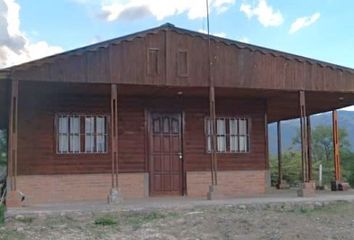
x=214 y=178
x=207 y=8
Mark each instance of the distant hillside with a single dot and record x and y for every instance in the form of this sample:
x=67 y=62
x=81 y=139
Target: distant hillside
x=289 y=128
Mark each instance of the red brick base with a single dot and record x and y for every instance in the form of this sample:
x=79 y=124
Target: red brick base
x=82 y=187
x=40 y=189
x=13 y=199
x=230 y=183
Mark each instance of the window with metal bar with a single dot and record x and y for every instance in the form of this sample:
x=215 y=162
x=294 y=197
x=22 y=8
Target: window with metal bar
x=94 y=133
x=232 y=135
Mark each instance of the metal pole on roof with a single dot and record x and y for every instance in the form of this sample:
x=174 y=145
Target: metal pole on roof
x=214 y=178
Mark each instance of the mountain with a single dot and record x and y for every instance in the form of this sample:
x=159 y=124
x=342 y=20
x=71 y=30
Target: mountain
x=290 y=127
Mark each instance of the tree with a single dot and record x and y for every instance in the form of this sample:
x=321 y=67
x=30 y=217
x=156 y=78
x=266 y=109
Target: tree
x=3 y=148
x=322 y=153
x=291 y=167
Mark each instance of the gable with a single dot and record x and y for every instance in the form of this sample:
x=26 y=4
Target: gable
x=157 y=57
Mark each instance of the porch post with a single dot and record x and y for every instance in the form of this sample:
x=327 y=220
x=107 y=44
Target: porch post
x=114 y=195
x=213 y=138
x=268 y=180
x=336 y=155
x=308 y=187
x=13 y=197
x=213 y=192
x=309 y=141
x=280 y=170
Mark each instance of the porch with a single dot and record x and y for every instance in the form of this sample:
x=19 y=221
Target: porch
x=126 y=162
x=274 y=199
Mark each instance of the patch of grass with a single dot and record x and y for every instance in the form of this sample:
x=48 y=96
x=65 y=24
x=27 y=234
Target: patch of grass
x=136 y=220
x=335 y=208
x=106 y=221
x=304 y=210
x=11 y=234
x=26 y=220
x=2 y=214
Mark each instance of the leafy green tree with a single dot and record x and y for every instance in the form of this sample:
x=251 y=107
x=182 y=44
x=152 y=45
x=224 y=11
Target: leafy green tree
x=322 y=153
x=291 y=167
x=3 y=148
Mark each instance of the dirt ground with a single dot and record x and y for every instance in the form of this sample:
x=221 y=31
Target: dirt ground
x=321 y=221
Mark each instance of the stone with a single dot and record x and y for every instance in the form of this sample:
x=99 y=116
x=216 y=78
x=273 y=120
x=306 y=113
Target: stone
x=14 y=199
x=19 y=217
x=214 y=193
x=242 y=207
x=307 y=189
x=343 y=186
x=283 y=185
x=115 y=197
x=318 y=205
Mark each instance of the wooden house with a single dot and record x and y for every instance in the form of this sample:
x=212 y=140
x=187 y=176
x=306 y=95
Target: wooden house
x=162 y=112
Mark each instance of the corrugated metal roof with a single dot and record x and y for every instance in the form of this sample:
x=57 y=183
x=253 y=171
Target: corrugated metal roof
x=171 y=27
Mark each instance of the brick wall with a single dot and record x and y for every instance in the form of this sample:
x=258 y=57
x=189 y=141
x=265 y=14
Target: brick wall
x=230 y=183
x=80 y=187
x=94 y=187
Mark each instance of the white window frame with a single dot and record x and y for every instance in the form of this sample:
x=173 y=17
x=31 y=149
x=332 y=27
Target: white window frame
x=82 y=134
x=228 y=137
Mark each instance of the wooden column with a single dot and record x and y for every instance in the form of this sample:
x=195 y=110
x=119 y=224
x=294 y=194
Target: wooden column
x=213 y=190
x=304 y=137
x=308 y=187
x=214 y=177
x=266 y=151
x=337 y=174
x=12 y=137
x=309 y=142
x=14 y=197
x=280 y=171
x=114 y=136
x=114 y=196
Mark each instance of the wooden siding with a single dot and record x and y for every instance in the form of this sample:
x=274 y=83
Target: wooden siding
x=36 y=139
x=195 y=151
x=37 y=147
x=234 y=65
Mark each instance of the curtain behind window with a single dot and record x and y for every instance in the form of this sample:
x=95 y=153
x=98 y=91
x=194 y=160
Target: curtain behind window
x=233 y=135
x=221 y=135
x=243 y=135
x=74 y=134
x=89 y=134
x=63 y=134
x=100 y=134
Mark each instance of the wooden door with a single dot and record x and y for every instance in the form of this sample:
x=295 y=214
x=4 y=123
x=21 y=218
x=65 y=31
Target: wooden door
x=166 y=157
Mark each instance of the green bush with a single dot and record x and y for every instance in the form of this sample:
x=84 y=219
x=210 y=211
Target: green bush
x=106 y=221
x=2 y=214
x=138 y=219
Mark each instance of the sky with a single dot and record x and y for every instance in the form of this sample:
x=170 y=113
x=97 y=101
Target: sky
x=320 y=29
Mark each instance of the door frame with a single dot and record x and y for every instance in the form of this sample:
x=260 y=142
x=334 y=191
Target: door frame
x=148 y=114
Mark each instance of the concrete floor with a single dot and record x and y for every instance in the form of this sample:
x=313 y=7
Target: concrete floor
x=274 y=196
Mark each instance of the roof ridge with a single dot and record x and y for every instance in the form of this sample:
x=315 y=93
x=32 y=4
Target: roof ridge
x=172 y=27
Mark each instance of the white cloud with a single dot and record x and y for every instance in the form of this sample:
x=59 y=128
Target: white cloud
x=244 y=40
x=350 y=108
x=136 y=9
x=218 y=34
x=304 y=22
x=222 y=5
x=264 y=13
x=15 y=47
